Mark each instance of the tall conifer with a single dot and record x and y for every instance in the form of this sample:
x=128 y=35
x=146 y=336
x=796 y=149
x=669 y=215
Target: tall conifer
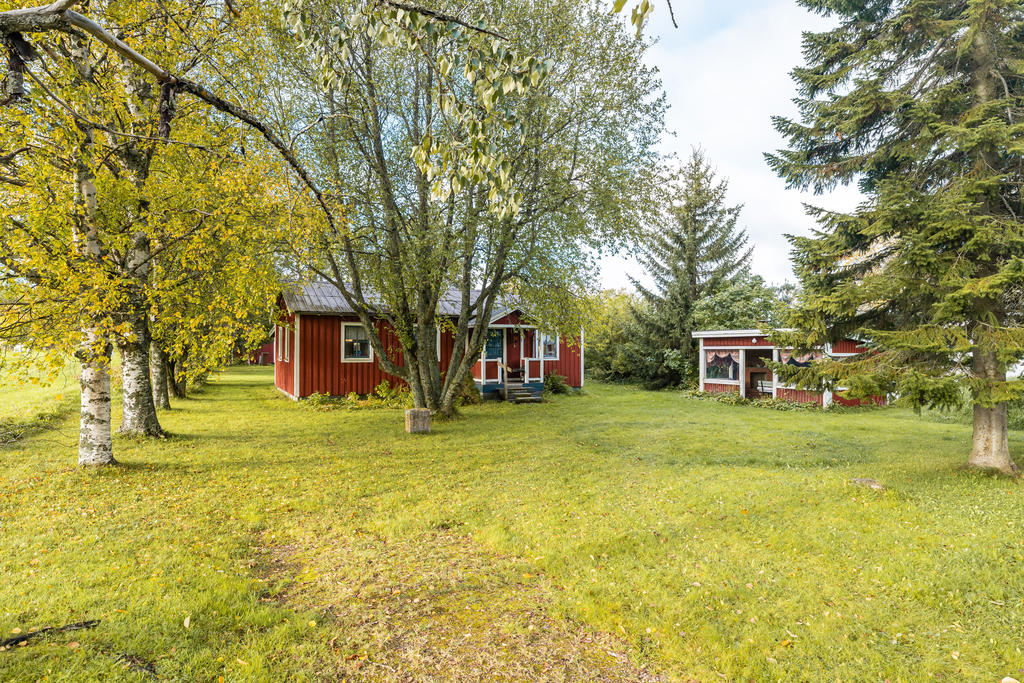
x=694 y=251
x=921 y=103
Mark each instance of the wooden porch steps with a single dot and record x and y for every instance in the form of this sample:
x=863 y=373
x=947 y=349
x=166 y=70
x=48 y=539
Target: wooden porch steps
x=517 y=393
x=515 y=389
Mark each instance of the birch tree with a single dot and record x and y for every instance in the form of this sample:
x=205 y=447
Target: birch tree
x=85 y=135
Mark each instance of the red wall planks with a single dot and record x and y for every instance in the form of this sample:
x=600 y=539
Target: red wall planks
x=874 y=400
x=848 y=346
x=736 y=342
x=799 y=396
x=712 y=388
x=322 y=370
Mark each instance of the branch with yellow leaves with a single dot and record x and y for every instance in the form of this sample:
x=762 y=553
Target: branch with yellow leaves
x=58 y=16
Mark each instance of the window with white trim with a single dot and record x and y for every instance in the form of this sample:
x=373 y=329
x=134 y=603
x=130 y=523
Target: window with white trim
x=278 y=351
x=722 y=364
x=549 y=346
x=287 y=343
x=494 y=347
x=355 y=343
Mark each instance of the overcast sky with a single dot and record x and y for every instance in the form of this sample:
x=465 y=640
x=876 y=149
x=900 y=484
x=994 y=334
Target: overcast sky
x=726 y=73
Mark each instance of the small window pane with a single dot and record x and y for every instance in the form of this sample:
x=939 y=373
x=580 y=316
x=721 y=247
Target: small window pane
x=550 y=347
x=357 y=342
x=495 y=339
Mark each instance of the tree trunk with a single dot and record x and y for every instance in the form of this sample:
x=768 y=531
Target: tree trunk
x=138 y=409
x=174 y=383
x=95 y=447
x=990 y=449
x=158 y=376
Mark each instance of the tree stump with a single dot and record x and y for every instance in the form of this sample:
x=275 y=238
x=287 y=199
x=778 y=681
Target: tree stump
x=417 y=421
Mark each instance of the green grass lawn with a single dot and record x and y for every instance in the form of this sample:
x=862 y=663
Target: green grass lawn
x=621 y=535
x=26 y=404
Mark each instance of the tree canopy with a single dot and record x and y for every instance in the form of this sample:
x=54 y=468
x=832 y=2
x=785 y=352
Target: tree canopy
x=920 y=103
x=468 y=166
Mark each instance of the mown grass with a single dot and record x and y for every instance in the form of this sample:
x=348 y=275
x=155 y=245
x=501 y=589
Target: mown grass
x=28 y=404
x=704 y=541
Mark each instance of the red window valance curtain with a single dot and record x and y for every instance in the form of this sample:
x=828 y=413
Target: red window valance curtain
x=722 y=357
x=800 y=361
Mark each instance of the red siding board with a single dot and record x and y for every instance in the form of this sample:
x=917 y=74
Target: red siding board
x=735 y=342
x=513 y=318
x=799 y=396
x=848 y=346
x=712 y=388
x=854 y=402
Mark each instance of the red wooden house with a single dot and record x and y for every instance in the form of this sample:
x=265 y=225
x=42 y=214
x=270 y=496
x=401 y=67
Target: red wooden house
x=262 y=355
x=734 y=361
x=320 y=346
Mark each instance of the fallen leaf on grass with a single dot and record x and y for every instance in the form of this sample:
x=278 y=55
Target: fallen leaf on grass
x=188 y=621
x=73 y=644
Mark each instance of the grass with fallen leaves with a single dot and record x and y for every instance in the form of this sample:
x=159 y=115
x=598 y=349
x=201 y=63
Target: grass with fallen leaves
x=621 y=535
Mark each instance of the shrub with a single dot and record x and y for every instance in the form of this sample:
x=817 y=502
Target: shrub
x=732 y=398
x=556 y=384
x=469 y=392
x=383 y=396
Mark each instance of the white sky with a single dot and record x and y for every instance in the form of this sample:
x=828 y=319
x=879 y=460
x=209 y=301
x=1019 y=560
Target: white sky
x=726 y=73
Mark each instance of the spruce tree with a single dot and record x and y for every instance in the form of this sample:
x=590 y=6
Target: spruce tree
x=921 y=103
x=694 y=251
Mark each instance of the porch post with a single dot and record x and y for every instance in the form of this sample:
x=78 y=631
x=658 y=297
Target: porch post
x=775 y=377
x=702 y=365
x=827 y=396
x=743 y=373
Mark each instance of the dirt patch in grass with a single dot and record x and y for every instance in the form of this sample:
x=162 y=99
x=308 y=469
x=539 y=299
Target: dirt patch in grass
x=436 y=607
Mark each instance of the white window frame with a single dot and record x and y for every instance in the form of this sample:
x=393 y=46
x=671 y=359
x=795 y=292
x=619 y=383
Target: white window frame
x=278 y=350
x=286 y=344
x=558 y=346
x=344 y=359
x=719 y=380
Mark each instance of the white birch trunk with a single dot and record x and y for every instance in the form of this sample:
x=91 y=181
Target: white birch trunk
x=95 y=447
x=138 y=409
x=158 y=377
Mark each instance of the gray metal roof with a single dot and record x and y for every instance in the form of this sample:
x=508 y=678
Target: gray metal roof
x=324 y=298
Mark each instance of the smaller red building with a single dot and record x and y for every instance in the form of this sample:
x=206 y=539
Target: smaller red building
x=262 y=355
x=321 y=347
x=736 y=361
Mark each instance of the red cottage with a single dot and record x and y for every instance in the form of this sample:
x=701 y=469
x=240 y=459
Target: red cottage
x=734 y=361
x=321 y=347
x=262 y=355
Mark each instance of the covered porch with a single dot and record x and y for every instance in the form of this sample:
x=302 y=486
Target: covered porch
x=515 y=356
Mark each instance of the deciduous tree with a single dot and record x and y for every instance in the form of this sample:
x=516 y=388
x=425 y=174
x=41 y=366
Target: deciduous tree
x=470 y=164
